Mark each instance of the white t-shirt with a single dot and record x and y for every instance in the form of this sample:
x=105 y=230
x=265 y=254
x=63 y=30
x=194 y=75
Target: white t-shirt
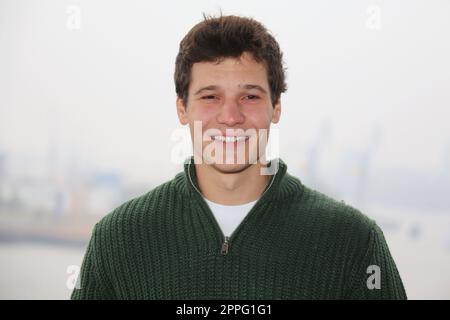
x=229 y=217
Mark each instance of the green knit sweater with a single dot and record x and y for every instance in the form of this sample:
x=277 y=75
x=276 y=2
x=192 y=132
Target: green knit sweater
x=295 y=243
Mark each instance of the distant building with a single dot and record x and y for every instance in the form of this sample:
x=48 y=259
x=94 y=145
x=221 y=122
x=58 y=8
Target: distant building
x=105 y=192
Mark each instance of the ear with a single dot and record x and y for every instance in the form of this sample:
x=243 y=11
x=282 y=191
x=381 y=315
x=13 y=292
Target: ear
x=181 y=111
x=276 y=112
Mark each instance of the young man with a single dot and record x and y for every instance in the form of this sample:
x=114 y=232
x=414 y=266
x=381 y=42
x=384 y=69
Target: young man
x=232 y=226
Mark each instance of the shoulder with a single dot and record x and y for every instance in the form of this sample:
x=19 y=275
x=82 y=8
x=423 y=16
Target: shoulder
x=335 y=218
x=138 y=211
x=336 y=210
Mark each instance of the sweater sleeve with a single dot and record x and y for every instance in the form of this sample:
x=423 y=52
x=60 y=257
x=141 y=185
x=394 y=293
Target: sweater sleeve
x=92 y=283
x=376 y=275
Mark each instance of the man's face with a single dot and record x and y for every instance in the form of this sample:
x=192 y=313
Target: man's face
x=230 y=99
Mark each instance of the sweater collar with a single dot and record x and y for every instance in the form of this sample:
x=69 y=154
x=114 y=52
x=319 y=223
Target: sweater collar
x=280 y=184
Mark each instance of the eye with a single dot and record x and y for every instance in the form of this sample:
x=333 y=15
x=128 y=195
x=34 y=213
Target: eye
x=252 y=97
x=210 y=97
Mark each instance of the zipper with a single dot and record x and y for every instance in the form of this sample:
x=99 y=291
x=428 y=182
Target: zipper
x=226 y=240
x=225 y=245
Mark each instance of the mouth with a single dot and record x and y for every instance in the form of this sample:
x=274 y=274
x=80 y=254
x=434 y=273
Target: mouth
x=230 y=139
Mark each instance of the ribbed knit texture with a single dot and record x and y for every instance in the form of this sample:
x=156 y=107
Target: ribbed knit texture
x=295 y=243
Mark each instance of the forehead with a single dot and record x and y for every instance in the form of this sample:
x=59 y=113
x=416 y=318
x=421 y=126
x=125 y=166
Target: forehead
x=229 y=71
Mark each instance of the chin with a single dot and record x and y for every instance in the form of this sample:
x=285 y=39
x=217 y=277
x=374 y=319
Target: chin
x=230 y=168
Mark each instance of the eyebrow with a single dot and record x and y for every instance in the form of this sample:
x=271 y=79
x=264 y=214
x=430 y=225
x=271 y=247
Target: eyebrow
x=253 y=86
x=245 y=86
x=212 y=87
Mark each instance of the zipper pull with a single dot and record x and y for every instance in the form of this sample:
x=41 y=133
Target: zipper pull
x=225 y=245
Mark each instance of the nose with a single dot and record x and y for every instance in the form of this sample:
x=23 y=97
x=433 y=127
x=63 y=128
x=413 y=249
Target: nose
x=230 y=113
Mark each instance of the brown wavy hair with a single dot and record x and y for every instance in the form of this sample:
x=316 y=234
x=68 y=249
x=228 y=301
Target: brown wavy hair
x=216 y=38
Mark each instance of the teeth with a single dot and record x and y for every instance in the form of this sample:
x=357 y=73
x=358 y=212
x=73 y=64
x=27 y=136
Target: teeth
x=229 y=139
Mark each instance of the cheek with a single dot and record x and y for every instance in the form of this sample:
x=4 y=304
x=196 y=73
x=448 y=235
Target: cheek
x=206 y=116
x=258 y=118
x=203 y=113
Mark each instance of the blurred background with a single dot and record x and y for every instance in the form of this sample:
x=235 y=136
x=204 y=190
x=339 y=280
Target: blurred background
x=88 y=121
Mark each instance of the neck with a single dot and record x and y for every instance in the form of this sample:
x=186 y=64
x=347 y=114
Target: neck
x=231 y=188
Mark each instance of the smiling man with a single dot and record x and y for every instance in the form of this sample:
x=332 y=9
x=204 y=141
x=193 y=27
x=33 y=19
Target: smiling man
x=231 y=101
x=232 y=225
